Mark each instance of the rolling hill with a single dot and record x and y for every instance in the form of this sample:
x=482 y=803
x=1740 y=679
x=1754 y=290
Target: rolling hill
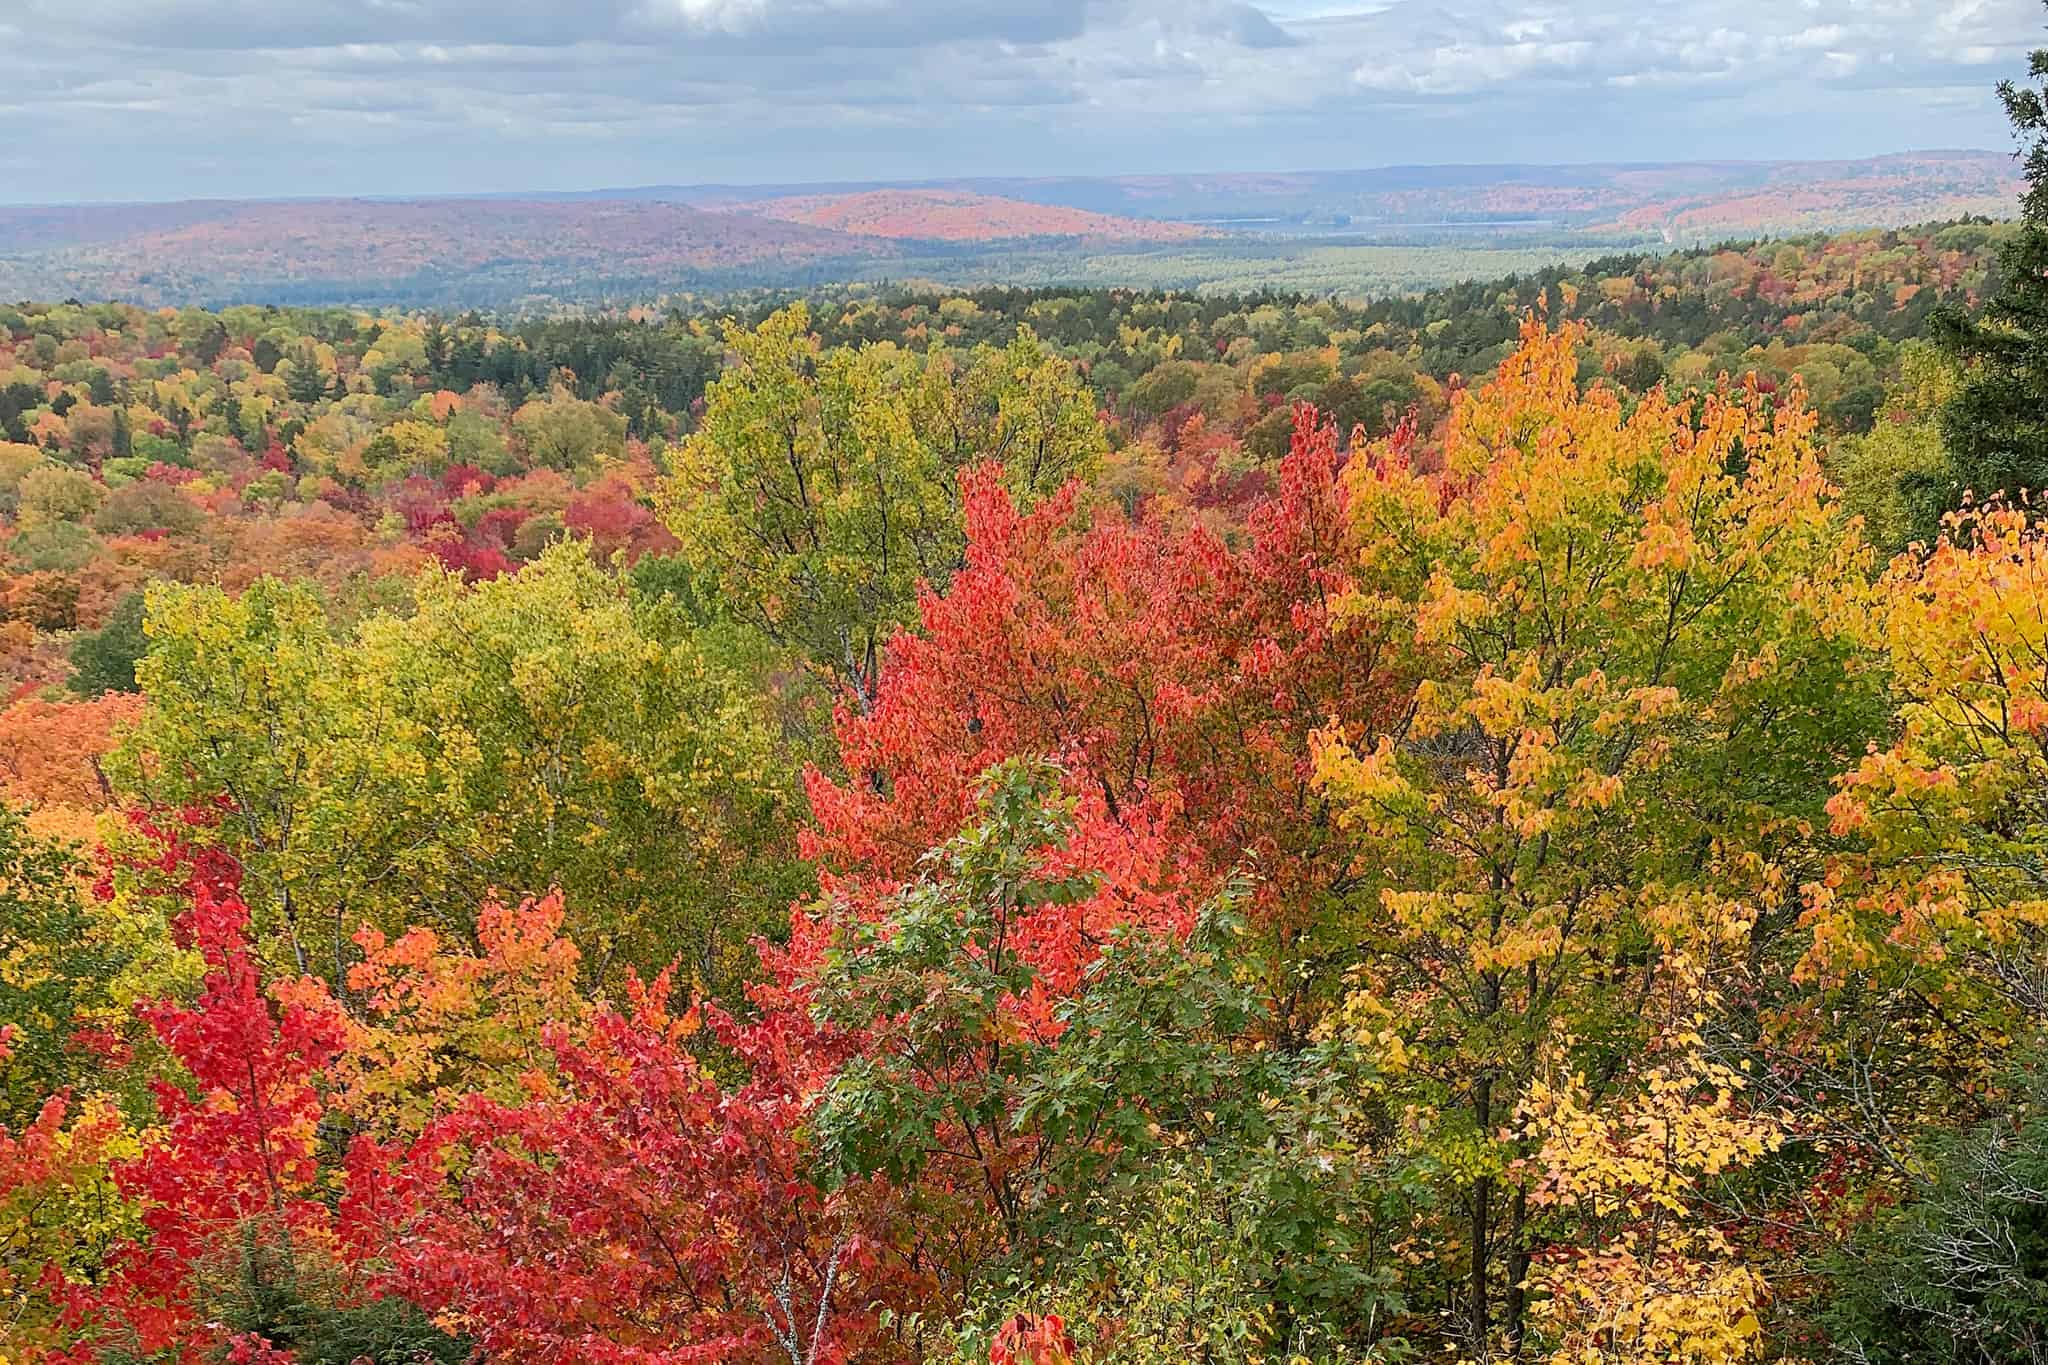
x=1361 y=232
x=962 y=216
x=440 y=251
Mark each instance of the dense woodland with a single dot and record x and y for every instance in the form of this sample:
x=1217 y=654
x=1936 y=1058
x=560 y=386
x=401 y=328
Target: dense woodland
x=1036 y=825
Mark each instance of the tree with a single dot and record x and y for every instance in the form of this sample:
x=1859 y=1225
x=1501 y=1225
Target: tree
x=1960 y=1272
x=1996 y=424
x=409 y=446
x=17 y=462
x=1954 y=858
x=639 y=1213
x=55 y=1198
x=144 y=506
x=51 y=751
x=542 y=729
x=437 y=1022
x=559 y=432
x=1925 y=1017
x=54 y=993
x=1612 y=606
x=821 y=488
x=1040 y=1022
x=52 y=493
x=1895 y=475
x=1176 y=680
x=951 y=986
x=1652 y=1275
x=225 y=1179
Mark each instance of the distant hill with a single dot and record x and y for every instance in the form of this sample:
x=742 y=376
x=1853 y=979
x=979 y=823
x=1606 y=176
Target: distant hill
x=1361 y=232
x=1822 y=196
x=1702 y=197
x=441 y=251
x=961 y=216
x=1764 y=196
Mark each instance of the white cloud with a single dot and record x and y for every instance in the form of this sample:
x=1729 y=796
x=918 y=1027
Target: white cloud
x=310 y=95
x=1820 y=35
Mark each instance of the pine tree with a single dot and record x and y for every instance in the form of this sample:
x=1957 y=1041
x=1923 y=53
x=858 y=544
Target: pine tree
x=1996 y=425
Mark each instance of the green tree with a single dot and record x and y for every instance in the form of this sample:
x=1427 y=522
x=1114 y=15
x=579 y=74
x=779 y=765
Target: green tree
x=147 y=505
x=1895 y=476
x=104 y=660
x=58 y=968
x=1057 y=1125
x=52 y=493
x=822 y=486
x=546 y=728
x=564 y=432
x=1959 y=1276
x=17 y=462
x=1996 y=425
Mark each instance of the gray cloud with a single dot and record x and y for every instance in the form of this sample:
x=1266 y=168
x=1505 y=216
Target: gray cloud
x=175 y=98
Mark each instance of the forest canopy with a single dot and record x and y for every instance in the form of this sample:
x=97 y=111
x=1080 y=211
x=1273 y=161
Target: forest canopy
x=1031 y=825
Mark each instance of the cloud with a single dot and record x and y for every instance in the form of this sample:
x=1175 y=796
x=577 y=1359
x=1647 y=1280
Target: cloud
x=171 y=98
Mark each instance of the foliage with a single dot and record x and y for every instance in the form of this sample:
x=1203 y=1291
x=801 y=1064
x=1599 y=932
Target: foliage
x=349 y=449
x=1307 y=855
x=546 y=729
x=1653 y=1278
x=820 y=486
x=1894 y=475
x=1038 y=1043
x=51 y=751
x=1182 y=1275
x=58 y=1209
x=1961 y=1273
x=1176 y=680
x=54 y=972
x=104 y=660
x=230 y=1162
x=438 y=1022
x=639 y=1214
x=1606 y=604
x=1993 y=426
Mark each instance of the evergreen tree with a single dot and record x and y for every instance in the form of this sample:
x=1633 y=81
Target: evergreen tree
x=103 y=660
x=1996 y=425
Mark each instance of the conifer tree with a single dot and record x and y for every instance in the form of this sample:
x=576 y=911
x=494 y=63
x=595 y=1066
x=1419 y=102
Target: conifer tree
x=1996 y=425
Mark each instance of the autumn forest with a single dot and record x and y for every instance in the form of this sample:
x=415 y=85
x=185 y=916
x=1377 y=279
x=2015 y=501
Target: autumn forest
x=1038 y=825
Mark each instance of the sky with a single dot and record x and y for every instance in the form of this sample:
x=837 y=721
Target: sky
x=179 y=99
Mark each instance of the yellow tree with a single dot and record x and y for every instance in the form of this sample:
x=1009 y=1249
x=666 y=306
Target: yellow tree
x=822 y=486
x=1648 y=1275
x=1927 y=961
x=548 y=728
x=1630 y=622
x=1951 y=812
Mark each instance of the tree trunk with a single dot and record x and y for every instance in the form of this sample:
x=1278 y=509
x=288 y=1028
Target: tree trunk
x=1480 y=1311
x=1518 y=1271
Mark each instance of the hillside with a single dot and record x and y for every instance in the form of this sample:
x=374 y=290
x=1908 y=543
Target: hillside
x=1368 y=233
x=1823 y=196
x=961 y=216
x=423 y=251
x=216 y=446
x=1716 y=197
